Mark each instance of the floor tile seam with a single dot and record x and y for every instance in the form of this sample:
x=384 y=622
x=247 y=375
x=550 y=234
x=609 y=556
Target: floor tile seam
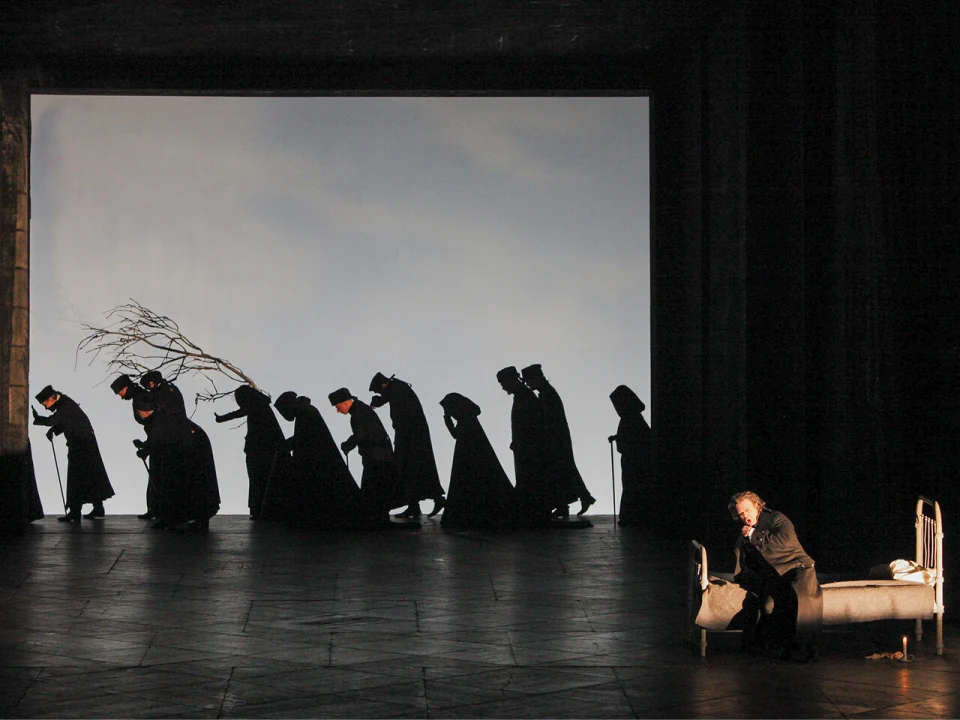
x=519 y=696
x=226 y=689
x=23 y=693
x=136 y=698
x=889 y=686
x=163 y=685
x=882 y=708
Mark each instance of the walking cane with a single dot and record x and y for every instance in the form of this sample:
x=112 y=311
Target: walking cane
x=613 y=484
x=56 y=464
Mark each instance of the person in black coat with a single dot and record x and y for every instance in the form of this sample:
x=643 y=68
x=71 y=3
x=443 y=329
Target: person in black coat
x=262 y=446
x=560 y=465
x=633 y=443
x=87 y=480
x=412 y=449
x=784 y=599
x=167 y=396
x=534 y=496
x=480 y=495
x=380 y=487
x=182 y=468
x=126 y=389
x=320 y=491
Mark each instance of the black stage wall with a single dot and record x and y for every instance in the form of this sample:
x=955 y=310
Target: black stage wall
x=805 y=244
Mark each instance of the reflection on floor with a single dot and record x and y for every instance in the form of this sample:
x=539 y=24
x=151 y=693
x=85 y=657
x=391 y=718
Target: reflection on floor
x=112 y=619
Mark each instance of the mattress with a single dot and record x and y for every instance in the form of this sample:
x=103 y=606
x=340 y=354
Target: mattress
x=844 y=602
x=865 y=600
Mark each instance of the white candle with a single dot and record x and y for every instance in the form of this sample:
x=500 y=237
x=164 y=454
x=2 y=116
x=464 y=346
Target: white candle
x=904 y=647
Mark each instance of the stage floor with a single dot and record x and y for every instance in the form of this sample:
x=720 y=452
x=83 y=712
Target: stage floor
x=109 y=618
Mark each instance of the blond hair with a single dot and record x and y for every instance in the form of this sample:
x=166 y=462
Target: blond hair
x=745 y=495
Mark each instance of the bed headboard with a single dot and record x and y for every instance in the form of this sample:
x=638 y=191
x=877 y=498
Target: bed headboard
x=929 y=531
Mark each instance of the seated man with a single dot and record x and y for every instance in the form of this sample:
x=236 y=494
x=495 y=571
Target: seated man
x=784 y=601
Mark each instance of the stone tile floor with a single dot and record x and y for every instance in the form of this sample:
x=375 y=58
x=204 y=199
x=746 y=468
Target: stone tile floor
x=112 y=619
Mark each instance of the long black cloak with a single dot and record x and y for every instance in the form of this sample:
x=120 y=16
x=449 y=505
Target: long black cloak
x=134 y=392
x=168 y=398
x=480 y=494
x=633 y=443
x=321 y=490
x=559 y=464
x=380 y=487
x=413 y=450
x=182 y=469
x=262 y=446
x=87 y=480
x=534 y=496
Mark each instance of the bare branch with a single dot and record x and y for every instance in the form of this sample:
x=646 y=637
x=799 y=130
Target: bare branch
x=137 y=340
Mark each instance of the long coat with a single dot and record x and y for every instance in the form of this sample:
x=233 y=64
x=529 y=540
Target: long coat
x=412 y=448
x=262 y=446
x=134 y=392
x=87 y=480
x=633 y=443
x=321 y=491
x=772 y=563
x=168 y=398
x=480 y=494
x=559 y=463
x=182 y=469
x=380 y=487
x=534 y=496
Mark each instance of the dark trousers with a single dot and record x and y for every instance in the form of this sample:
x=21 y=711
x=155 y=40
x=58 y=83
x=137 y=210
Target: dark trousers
x=783 y=611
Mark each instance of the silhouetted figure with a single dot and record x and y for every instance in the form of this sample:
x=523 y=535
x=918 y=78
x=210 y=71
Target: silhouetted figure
x=633 y=443
x=127 y=389
x=19 y=496
x=480 y=495
x=262 y=446
x=412 y=448
x=559 y=463
x=167 y=396
x=182 y=468
x=784 y=598
x=319 y=491
x=534 y=495
x=87 y=480
x=380 y=488
x=124 y=387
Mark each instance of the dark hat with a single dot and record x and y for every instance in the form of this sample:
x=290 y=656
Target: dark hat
x=45 y=394
x=379 y=380
x=285 y=403
x=626 y=402
x=339 y=396
x=532 y=371
x=144 y=402
x=151 y=376
x=247 y=396
x=507 y=373
x=122 y=381
x=459 y=406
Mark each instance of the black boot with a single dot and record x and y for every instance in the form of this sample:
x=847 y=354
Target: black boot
x=148 y=515
x=412 y=511
x=97 y=512
x=585 y=504
x=438 y=504
x=71 y=516
x=561 y=513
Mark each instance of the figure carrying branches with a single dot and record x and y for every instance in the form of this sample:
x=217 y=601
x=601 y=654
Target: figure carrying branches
x=138 y=340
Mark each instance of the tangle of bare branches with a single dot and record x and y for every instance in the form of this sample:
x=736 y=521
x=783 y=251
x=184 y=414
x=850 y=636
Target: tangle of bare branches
x=137 y=340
